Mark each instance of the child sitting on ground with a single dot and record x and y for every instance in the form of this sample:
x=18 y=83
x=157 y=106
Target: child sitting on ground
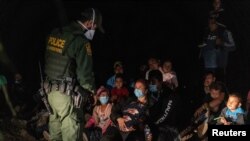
x=233 y=114
x=119 y=91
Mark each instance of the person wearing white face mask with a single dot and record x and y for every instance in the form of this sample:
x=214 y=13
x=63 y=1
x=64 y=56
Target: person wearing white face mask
x=91 y=24
x=68 y=65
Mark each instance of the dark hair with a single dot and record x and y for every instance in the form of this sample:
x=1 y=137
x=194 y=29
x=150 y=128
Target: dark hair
x=119 y=75
x=87 y=14
x=155 y=74
x=235 y=94
x=143 y=81
x=168 y=134
x=154 y=59
x=167 y=60
x=209 y=73
x=218 y=86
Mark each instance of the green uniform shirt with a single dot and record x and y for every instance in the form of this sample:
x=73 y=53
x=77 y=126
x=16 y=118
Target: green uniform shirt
x=79 y=52
x=82 y=52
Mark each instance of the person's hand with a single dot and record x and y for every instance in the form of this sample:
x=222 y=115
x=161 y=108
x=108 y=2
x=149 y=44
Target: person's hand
x=132 y=111
x=130 y=129
x=198 y=112
x=224 y=121
x=122 y=125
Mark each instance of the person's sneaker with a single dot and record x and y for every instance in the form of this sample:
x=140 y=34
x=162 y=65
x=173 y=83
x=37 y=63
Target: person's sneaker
x=46 y=135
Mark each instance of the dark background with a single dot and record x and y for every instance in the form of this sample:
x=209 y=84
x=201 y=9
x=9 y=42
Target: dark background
x=135 y=30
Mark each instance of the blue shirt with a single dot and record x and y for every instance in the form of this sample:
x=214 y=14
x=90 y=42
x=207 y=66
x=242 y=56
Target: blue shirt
x=234 y=115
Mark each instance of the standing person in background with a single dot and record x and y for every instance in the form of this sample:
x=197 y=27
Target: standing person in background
x=217 y=12
x=69 y=74
x=215 y=49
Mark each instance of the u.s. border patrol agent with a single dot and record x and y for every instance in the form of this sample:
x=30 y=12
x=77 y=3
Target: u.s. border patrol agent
x=68 y=66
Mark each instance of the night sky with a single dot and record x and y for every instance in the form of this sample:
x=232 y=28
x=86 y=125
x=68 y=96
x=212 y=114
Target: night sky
x=135 y=30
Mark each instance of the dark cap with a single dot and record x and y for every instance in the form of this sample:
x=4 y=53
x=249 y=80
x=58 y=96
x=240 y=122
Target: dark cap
x=117 y=63
x=92 y=14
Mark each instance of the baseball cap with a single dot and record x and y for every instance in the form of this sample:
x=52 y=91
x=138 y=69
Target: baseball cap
x=117 y=63
x=95 y=14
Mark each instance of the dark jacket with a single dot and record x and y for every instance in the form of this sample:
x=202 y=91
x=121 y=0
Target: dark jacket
x=164 y=110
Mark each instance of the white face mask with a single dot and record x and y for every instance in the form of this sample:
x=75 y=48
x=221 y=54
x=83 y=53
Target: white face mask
x=90 y=34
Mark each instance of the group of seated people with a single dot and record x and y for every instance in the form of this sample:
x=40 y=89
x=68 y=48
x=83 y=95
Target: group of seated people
x=122 y=114
x=150 y=106
x=222 y=105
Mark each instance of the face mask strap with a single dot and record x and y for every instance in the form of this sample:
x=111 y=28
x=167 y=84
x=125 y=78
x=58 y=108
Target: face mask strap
x=93 y=17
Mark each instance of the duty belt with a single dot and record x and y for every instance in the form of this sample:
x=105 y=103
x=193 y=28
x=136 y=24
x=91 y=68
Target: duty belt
x=65 y=86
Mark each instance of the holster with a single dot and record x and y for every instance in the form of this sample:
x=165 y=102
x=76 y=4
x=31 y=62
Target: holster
x=68 y=87
x=87 y=98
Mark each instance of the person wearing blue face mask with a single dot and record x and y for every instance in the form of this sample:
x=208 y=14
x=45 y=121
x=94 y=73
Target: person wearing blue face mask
x=163 y=103
x=101 y=112
x=153 y=88
x=138 y=93
x=129 y=116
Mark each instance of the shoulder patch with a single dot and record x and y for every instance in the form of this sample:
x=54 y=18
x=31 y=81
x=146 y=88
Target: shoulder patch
x=88 y=49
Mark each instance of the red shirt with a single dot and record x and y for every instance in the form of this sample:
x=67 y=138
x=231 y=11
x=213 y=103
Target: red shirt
x=120 y=92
